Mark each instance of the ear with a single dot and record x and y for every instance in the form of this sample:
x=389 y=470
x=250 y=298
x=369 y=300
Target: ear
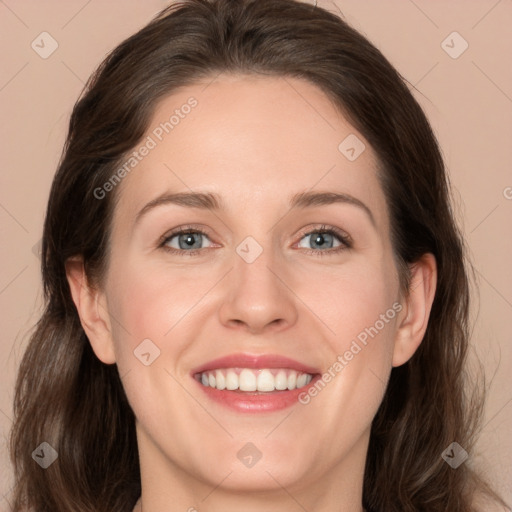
x=416 y=312
x=92 y=310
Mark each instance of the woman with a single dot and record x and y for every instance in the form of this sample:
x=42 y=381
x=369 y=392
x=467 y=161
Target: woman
x=256 y=291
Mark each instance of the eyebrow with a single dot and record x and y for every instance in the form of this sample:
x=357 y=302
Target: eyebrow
x=212 y=201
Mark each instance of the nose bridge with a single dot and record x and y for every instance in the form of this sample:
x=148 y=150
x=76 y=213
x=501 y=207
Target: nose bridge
x=254 y=261
x=257 y=294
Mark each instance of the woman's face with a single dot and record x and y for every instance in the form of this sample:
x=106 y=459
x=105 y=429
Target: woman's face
x=284 y=304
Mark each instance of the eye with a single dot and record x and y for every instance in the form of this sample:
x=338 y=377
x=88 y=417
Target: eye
x=326 y=240
x=184 y=240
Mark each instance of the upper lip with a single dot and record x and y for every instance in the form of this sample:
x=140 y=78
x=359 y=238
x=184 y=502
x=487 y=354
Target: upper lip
x=256 y=361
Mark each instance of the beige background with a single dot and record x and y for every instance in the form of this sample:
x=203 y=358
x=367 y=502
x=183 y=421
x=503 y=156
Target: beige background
x=468 y=100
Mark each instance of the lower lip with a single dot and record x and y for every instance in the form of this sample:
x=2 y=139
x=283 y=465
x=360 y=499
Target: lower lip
x=243 y=401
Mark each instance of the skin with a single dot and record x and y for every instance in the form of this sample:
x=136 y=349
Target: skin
x=255 y=141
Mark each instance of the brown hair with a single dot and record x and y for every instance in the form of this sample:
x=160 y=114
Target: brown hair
x=68 y=398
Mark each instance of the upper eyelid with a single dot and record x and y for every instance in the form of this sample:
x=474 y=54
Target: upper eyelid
x=326 y=228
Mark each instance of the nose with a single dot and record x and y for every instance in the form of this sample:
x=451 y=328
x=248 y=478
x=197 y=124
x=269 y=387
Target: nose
x=258 y=296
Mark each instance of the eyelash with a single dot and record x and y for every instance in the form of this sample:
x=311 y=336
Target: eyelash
x=346 y=241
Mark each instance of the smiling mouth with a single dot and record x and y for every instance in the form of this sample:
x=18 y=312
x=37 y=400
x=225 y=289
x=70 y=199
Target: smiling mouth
x=255 y=383
x=264 y=380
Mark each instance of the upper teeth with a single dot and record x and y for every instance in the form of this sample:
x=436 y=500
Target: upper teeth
x=246 y=379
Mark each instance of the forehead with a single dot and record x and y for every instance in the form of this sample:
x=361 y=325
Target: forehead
x=253 y=140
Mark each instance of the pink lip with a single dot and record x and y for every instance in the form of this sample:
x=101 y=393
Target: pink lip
x=255 y=361
x=254 y=402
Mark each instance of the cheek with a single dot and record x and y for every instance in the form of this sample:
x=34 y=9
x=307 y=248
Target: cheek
x=359 y=306
x=149 y=303
x=361 y=309
x=146 y=309
x=356 y=302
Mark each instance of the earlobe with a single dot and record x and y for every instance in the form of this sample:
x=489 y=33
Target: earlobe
x=418 y=304
x=89 y=302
